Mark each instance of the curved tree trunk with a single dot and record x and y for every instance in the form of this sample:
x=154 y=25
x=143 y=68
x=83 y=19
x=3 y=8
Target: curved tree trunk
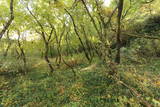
x=9 y=45
x=22 y=53
x=6 y=26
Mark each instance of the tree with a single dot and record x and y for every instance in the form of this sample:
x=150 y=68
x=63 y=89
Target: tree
x=7 y=24
x=120 y=9
x=45 y=40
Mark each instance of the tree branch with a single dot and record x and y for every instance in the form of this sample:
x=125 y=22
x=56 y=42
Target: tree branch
x=6 y=26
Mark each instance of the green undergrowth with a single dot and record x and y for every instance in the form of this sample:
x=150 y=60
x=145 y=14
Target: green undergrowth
x=91 y=87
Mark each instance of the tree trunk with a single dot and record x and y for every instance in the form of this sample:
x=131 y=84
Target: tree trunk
x=118 y=55
x=7 y=24
x=22 y=54
x=47 y=59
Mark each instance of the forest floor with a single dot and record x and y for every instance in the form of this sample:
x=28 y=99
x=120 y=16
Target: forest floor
x=137 y=84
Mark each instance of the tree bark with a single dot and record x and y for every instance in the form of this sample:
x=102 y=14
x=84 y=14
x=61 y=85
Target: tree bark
x=77 y=33
x=45 y=40
x=120 y=9
x=22 y=54
x=9 y=45
x=6 y=26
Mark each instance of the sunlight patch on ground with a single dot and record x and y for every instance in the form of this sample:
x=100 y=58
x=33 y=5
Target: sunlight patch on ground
x=91 y=67
x=40 y=63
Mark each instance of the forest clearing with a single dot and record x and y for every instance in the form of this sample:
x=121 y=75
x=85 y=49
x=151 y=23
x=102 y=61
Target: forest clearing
x=79 y=53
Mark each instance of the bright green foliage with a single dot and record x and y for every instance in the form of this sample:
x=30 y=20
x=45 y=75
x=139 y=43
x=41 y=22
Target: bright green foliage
x=79 y=38
x=91 y=88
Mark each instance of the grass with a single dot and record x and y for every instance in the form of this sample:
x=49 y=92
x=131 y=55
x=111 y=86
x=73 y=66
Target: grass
x=91 y=88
